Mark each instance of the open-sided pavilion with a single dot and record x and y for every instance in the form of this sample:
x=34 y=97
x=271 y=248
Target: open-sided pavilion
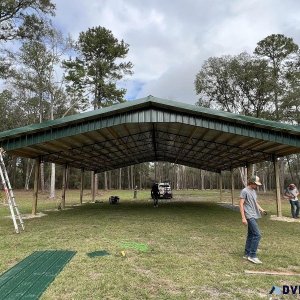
x=153 y=129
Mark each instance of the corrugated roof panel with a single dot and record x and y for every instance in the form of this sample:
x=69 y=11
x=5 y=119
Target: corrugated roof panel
x=124 y=134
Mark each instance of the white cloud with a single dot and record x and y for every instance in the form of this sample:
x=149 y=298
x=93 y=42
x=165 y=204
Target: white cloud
x=169 y=40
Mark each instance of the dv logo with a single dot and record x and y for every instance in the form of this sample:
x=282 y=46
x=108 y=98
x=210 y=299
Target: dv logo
x=291 y=289
x=286 y=289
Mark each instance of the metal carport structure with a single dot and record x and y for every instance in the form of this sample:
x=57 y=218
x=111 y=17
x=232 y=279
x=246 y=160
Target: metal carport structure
x=154 y=129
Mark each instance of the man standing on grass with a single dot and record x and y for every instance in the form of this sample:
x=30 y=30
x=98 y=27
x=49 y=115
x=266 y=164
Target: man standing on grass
x=155 y=194
x=292 y=194
x=250 y=211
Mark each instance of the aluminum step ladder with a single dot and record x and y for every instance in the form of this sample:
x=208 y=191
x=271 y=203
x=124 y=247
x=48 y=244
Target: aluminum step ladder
x=14 y=211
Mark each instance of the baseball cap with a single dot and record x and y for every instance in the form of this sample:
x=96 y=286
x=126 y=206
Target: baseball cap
x=255 y=179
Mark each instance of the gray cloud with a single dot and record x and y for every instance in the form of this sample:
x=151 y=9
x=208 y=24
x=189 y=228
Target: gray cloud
x=170 y=40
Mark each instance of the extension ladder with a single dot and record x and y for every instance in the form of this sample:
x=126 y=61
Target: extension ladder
x=14 y=211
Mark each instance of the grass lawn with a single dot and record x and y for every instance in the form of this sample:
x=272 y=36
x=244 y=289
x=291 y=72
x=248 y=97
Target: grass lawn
x=194 y=246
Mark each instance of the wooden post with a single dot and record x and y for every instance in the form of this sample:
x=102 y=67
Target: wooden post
x=36 y=185
x=278 y=199
x=81 y=185
x=221 y=186
x=249 y=170
x=64 y=184
x=232 y=187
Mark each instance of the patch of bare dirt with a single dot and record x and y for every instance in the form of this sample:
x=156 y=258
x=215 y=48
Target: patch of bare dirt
x=30 y=216
x=284 y=219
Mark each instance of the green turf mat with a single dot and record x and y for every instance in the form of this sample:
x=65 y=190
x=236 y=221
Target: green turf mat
x=30 y=277
x=97 y=253
x=136 y=246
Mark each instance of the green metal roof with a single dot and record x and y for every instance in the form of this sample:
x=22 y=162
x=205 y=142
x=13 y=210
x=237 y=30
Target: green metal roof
x=152 y=129
x=146 y=102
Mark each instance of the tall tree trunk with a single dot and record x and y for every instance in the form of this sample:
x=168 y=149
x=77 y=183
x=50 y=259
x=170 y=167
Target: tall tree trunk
x=29 y=169
x=141 y=186
x=96 y=184
x=105 y=181
x=109 y=180
x=128 y=177
x=132 y=177
x=243 y=173
x=264 y=181
x=177 y=177
x=290 y=171
x=92 y=182
x=282 y=168
x=42 y=177
x=52 y=182
x=202 y=179
x=26 y=186
x=297 y=169
x=52 y=176
x=173 y=179
x=14 y=171
x=184 y=177
x=120 y=178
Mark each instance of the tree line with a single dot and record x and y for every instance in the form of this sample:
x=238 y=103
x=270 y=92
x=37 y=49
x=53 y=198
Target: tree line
x=264 y=84
x=47 y=75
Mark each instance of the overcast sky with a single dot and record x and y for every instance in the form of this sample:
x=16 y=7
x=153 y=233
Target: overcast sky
x=170 y=39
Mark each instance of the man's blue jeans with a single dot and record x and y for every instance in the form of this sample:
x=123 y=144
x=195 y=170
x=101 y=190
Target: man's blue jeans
x=295 y=208
x=253 y=238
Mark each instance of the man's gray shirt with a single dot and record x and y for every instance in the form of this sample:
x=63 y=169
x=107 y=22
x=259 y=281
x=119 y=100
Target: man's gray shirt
x=293 y=193
x=250 y=207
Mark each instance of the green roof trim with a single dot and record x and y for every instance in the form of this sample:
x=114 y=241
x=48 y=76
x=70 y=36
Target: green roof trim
x=150 y=101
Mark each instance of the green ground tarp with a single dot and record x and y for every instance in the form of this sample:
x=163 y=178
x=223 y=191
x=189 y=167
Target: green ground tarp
x=30 y=277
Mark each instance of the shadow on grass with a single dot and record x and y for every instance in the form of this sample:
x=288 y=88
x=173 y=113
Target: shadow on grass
x=145 y=209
